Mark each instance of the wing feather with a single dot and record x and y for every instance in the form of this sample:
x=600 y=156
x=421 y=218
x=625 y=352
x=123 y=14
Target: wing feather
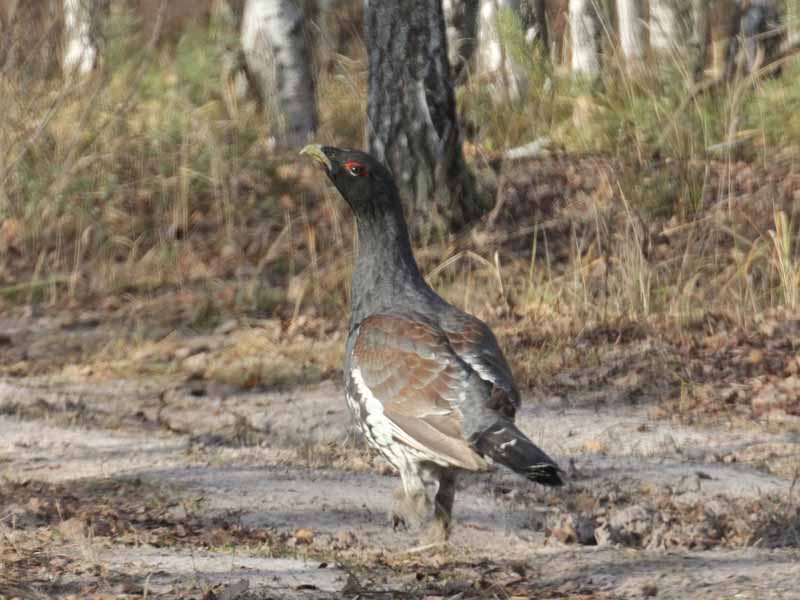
x=476 y=345
x=409 y=366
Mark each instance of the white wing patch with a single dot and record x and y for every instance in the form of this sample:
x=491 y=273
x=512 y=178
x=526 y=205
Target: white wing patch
x=479 y=368
x=442 y=412
x=484 y=372
x=381 y=427
x=382 y=432
x=505 y=445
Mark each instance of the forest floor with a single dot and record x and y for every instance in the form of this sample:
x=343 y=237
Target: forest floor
x=177 y=485
x=166 y=442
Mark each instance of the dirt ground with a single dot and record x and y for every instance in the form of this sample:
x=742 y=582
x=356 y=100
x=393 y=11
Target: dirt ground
x=173 y=485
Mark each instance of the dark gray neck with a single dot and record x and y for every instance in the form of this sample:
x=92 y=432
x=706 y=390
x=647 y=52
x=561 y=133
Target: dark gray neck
x=386 y=276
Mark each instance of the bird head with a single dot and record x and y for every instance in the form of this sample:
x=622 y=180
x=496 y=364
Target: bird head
x=364 y=182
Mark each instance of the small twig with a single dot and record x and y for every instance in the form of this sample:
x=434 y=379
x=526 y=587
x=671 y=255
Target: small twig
x=418 y=549
x=499 y=201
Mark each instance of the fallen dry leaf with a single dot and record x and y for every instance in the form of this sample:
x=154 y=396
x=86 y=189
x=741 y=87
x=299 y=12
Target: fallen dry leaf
x=304 y=536
x=595 y=446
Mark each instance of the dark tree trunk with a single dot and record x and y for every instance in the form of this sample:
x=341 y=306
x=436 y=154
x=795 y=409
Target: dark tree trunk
x=461 y=25
x=538 y=19
x=411 y=111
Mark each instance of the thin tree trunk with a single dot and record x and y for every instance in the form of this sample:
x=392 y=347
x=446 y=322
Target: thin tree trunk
x=275 y=49
x=724 y=23
x=557 y=26
x=80 y=43
x=461 y=21
x=697 y=41
x=664 y=26
x=584 y=37
x=759 y=29
x=411 y=111
x=538 y=22
x=495 y=64
x=631 y=32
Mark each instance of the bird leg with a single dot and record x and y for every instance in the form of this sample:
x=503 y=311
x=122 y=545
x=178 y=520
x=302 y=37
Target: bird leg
x=410 y=505
x=439 y=530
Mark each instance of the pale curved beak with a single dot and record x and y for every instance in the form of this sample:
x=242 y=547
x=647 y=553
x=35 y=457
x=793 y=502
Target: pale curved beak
x=315 y=152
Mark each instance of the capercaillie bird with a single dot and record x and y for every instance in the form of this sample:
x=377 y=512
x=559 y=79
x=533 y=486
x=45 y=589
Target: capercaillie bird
x=426 y=383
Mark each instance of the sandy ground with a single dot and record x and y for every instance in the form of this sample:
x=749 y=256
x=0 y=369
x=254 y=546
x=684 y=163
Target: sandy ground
x=304 y=475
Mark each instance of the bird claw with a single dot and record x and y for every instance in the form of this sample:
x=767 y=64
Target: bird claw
x=398 y=522
x=438 y=532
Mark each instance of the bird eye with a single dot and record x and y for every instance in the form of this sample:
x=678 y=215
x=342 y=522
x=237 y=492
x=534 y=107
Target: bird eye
x=355 y=168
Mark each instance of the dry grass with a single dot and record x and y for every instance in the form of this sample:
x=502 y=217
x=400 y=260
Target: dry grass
x=142 y=195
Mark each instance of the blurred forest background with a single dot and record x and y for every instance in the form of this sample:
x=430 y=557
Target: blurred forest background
x=636 y=163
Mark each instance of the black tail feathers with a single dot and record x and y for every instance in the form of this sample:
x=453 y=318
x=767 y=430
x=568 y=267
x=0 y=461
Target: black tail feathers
x=507 y=445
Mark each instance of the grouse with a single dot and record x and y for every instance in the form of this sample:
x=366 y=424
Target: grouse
x=426 y=383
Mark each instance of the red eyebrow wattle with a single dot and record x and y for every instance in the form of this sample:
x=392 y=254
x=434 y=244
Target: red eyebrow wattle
x=354 y=165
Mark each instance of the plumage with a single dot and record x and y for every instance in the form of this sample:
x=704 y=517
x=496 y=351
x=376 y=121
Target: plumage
x=408 y=365
x=427 y=383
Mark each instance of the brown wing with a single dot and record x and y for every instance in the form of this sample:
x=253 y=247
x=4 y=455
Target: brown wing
x=410 y=368
x=475 y=344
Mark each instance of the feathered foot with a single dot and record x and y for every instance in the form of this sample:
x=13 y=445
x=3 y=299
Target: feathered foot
x=408 y=511
x=439 y=531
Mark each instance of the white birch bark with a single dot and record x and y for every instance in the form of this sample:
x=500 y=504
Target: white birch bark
x=700 y=14
x=277 y=56
x=631 y=30
x=494 y=64
x=80 y=50
x=664 y=26
x=584 y=30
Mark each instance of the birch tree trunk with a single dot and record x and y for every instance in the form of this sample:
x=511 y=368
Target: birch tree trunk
x=538 y=23
x=495 y=65
x=584 y=37
x=631 y=32
x=276 y=52
x=461 y=22
x=80 y=43
x=411 y=111
x=664 y=26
